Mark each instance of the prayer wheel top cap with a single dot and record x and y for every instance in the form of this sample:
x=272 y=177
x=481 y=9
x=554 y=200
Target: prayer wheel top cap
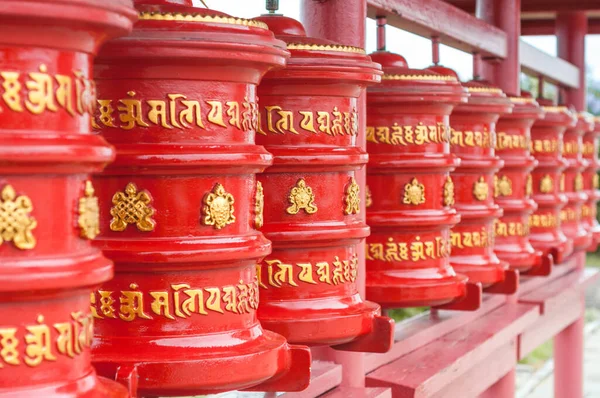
x=414 y=85
x=318 y=58
x=483 y=96
x=526 y=107
x=174 y=38
x=36 y=23
x=585 y=122
x=556 y=115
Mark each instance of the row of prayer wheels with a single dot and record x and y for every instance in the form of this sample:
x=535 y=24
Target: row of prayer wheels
x=233 y=171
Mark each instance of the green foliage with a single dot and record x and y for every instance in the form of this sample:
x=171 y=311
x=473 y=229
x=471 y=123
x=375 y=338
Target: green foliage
x=401 y=314
x=539 y=356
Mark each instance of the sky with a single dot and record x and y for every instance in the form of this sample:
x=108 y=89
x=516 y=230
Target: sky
x=416 y=49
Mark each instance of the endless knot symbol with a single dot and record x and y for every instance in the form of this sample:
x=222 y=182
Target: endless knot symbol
x=132 y=207
x=15 y=222
x=218 y=207
x=302 y=198
x=89 y=214
x=352 y=198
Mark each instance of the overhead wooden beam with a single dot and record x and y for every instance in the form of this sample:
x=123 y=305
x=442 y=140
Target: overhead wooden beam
x=453 y=26
x=536 y=62
x=538 y=5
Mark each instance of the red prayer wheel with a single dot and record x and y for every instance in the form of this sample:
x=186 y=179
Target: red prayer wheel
x=412 y=193
x=310 y=123
x=546 y=146
x=513 y=186
x=472 y=139
x=48 y=206
x=179 y=206
x=590 y=185
x=572 y=182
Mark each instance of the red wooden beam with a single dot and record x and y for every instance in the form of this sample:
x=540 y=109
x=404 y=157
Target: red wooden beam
x=544 y=27
x=444 y=364
x=324 y=377
x=536 y=62
x=538 y=5
x=454 y=27
x=345 y=392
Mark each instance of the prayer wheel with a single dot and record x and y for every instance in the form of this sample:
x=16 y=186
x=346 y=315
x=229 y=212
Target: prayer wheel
x=310 y=123
x=546 y=146
x=513 y=186
x=590 y=185
x=180 y=205
x=572 y=183
x=411 y=191
x=48 y=205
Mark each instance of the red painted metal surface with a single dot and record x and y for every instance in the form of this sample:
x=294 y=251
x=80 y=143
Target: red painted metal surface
x=546 y=147
x=590 y=184
x=514 y=185
x=48 y=208
x=411 y=191
x=454 y=27
x=313 y=214
x=572 y=182
x=180 y=207
x=473 y=137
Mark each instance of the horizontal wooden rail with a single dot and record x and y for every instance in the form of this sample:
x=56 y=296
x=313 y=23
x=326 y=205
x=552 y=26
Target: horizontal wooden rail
x=454 y=27
x=538 y=63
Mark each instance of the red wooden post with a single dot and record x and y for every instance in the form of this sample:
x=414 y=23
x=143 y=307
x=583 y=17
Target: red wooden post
x=571 y=28
x=344 y=22
x=504 y=14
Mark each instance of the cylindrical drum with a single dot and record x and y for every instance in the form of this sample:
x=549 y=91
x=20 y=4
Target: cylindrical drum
x=178 y=207
x=546 y=146
x=572 y=182
x=48 y=205
x=310 y=123
x=412 y=194
x=513 y=184
x=590 y=185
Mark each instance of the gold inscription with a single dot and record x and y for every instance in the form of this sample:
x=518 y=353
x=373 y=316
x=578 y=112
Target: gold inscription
x=279 y=274
x=567 y=215
x=571 y=147
x=413 y=250
x=472 y=139
x=180 y=300
x=478 y=239
x=420 y=134
x=546 y=146
x=43 y=92
x=43 y=342
x=544 y=221
x=280 y=121
x=506 y=229
x=511 y=141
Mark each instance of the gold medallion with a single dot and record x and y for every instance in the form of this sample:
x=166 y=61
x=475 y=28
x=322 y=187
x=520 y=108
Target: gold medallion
x=16 y=224
x=259 y=206
x=218 y=207
x=352 y=198
x=89 y=213
x=481 y=189
x=448 y=192
x=414 y=193
x=301 y=198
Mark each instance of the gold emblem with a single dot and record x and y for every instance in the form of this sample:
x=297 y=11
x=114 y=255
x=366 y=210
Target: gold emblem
x=132 y=207
x=595 y=181
x=352 y=198
x=546 y=184
x=414 y=193
x=502 y=186
x=562 y=182
x=481 y=189
x=578 y=184
x=89 y=214
x=302 y=198
x=218 y=207
x=529 y=186
x=448 y=192
x=259 y=205
x=368 y=198
x=15 y=222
